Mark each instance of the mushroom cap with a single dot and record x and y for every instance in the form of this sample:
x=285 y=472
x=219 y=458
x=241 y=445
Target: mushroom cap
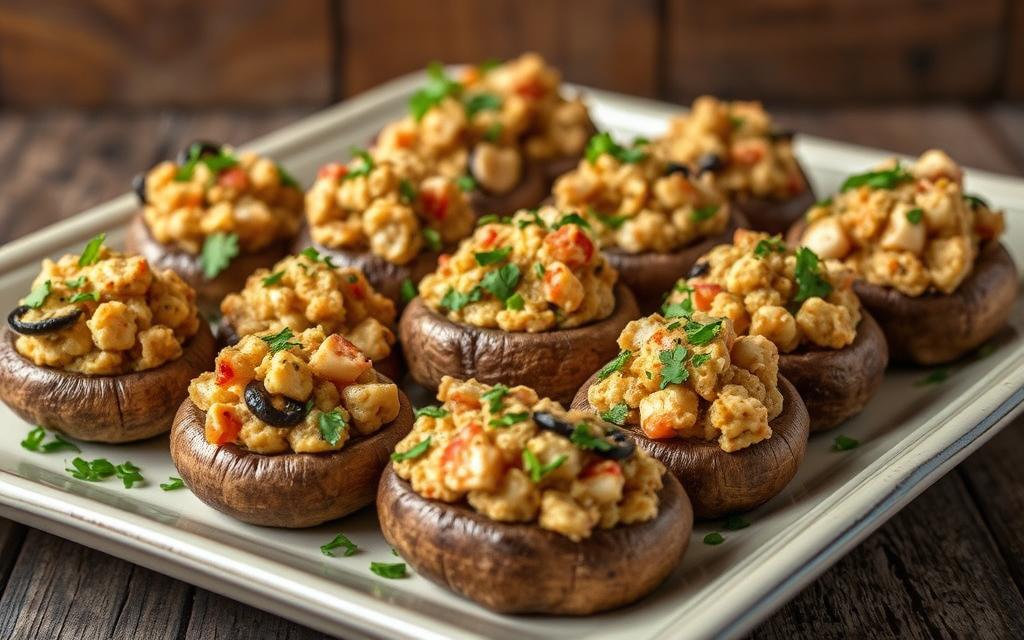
x=652 y=275
x=287 y=489
x=386 y=277
x=116 y=408
x=522 y=568
x=775 y=216
x=720 y=483
x=531 y=190
x=209 y=293
x=836 y=384
x=554 y=363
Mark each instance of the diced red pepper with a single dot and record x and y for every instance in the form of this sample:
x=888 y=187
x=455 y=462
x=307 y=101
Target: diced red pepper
x=234 y=178
x=334 y=171
x=490 y=235
x=357 y=290
x=435 y=204
x=570 y=245
x=602 y=468
x=531 y=89
x=224 y=427
x=225 y=373
x=703 y=294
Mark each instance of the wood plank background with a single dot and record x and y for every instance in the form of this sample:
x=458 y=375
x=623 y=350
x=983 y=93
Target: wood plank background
x=196 y=53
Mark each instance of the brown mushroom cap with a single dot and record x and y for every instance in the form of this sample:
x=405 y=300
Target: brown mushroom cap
x=209 y=293
x=531 y=190
x=522 y=568
x=836 y=384
x=117 y=408
x=652 y=275
x=554 y=363
x=719 y=483
x=288 y=489
x=775 y=216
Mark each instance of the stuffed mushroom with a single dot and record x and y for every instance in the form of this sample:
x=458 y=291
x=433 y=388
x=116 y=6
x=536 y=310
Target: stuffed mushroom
x=511 y=501
x=830 y=348
x=525 y=300
x=927 y=256
x=288 y=430
x=103 y=348
x=651 y=218
x=505 y=129
x=214 y=216
x=753 y=159
x=307 y=290
x=709 y=405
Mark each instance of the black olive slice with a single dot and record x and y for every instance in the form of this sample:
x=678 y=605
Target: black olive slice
x=677 y=167
x=620 y=446
x=258 y=401
x=710 y=162
x=548 y=421
x=206 y=148
x=46 y=325
x=698 y=269
x=139 y=187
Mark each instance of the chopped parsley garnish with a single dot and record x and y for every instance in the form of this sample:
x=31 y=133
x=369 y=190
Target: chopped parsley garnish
x=673 y=366
x=534 y=219
x=218 y=251
x=408 y=290
x=699 y=359
x=914 y=215
x=488 y=65
x=494 y=397
x=602 y=143
x=406 y=191
x=432 y=238
x=314 y=256
x=700 y=214
x=768 y=246
x=365 y=165
x=571 y=218
x=975 y=201
x=129 y=474
x=432 y=411
x=614 y=365
x=172 y=484
x=492 y=218
x=503 y=282
x=515 y=302
x=509 y=419
x=827 y=202
x=465 y=183
x=736 y=122
x=287 y=179
x=845 y=443
x=682 y=309
x=493 y=132
x=610 y=221
x=37 y=296
x=617 y=414
x=91 y=471
x=582 y=438
x=76 y=283
x=809 y=282
x=700 y=334
x=538 y=268
x=484 y=258
x=881 y=179
x=91 y=252
x=482 y=102
x=340 y=541
x=280 y=340
x=713 y=539
x=34 y=442
x=273 y=279
x=85 y=296
x=735 y=523
x=454 y=300
x=389 y=570
x=215 y=162
x=413 y=453
x=535 y=469
x=331 y=425
x=438 y=87
x=935 y=377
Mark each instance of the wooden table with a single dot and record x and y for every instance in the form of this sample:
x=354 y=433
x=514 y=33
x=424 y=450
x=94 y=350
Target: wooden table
x=950 y=565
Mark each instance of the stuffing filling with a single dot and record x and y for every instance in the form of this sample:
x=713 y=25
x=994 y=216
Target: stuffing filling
x=514 y=457
x=490 y=123
x=691 y=377
x=909 y=228
x=217 y=191
x=533 y=272
x=739 y=142
x=638 y=202
x=305 y=392
x=767 y=289
x=394 y=207
x=307 y=290
x=118 y=314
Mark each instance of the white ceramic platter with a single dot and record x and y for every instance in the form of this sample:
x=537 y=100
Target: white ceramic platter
x=910 y=435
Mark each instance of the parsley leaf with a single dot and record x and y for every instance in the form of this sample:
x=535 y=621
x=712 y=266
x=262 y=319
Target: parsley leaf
x=438 y=87
x=614 y=365
x=809 y=282
x=172 y=484
x=34 y=442
x=482 y=102
x=698 y=359
x=515 y=302
x=287 y=179
x=432 y=238
x=280 y=340
x=331 y=425
x=411 y=454
x=845 y=443
x=582 y=438
x=713 y=539
x=914 y=215
x=454 y=300
x=700 y=334
x=364 y=167
x=340 y=540
x=493 y=132
x=673 y=366
x=218 y=251
x=571 y=218
x=85 y=296
x=700 y=214
x=406 y=191
x=494 y=397
x=76 y=283
x=389 y=570
x=881 y=179
x=215 y=162
x=91 y=471
x=37 y=296
x=484 y=258
x=975 y=201
x=535 y=469
x=408 y=290
x=129 y=474
x=503 y=282
x=935 y=377
x=735 y=523
x=273 y=279
x=91 y=252
x=617 y=414
x=602 y=143
x=465 y=183
x=432 y=411
x=769 y=246
x=538 y=268
x=611 y=221
x=509 y=419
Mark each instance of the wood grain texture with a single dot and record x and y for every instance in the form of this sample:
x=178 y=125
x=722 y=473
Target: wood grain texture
x=812 y=51
x=215 y=617
x=1013 y=72
x=243 y=52
x=610 y=44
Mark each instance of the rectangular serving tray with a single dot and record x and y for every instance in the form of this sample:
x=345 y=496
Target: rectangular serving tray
x=910 y=435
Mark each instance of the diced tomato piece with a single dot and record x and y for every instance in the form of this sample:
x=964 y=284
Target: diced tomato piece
x=470 y=75
x=703 y=294
x=334 y=171
x=490 y=235
x=602 y=468
x=658 y=427
x=234 y=178
x=405 y=139
x=531 y=89
x=223 y=426
x=464 y=401
x=748 y=152
x=225 y=373
x=570 y=245
x=456 y=449
x=357 y=290
x=435 y=204
x=443 y=260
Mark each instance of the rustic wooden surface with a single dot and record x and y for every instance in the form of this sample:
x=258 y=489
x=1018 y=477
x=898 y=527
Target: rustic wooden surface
x=950 y=565
x=261 y=52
